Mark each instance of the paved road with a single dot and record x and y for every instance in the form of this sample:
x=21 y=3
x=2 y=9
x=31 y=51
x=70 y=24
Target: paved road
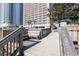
x=49 y=46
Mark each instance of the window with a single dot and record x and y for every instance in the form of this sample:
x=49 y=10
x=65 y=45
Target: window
x=75 y=42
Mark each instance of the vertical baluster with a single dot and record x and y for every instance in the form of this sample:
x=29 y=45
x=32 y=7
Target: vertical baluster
x=7 y=49
x=16 y=42
x=11 y=47
x=19 y=44
x=19 y=40
x=3 y=51
x=14 y=45
x=0 y=52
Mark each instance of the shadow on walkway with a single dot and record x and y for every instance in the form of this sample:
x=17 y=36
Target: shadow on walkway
x=27 y=44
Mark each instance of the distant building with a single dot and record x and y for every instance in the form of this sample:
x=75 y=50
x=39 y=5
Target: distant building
x=4 y=14
x=17 y=14
x=38 y=13
x=11 y=14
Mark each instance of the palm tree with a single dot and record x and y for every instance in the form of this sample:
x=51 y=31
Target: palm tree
x=29 y=22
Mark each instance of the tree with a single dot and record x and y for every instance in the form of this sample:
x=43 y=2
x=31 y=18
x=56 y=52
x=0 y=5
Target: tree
x=29 y=22
x=65 y=11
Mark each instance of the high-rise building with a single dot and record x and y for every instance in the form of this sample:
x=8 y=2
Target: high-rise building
x=17 y=13
x=37 y=14
x=11 y=14
x=4 y=14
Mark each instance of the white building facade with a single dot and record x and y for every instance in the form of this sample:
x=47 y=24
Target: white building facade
x=37 y=13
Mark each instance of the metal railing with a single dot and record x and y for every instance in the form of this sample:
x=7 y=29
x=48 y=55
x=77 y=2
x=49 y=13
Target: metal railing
x=44 y=32
x=12 y=43
x=67 y=47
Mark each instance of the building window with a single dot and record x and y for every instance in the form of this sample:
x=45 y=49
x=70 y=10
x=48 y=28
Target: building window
x=75 y=42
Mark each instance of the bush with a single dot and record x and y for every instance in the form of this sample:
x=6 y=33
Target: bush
x=33 y=37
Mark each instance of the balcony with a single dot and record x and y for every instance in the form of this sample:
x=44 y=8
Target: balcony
x=60 y=43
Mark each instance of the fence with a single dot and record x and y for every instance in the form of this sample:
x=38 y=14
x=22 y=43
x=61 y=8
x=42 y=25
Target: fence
x=12 y=43
x=67 y=47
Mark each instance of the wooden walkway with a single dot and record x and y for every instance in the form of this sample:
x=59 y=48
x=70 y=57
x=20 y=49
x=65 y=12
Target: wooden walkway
x=48 y=46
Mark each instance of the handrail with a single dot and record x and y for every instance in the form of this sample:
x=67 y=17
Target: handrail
x=12 y=43
x=66 y=44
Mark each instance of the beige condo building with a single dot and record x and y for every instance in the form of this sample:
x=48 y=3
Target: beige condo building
x=37 y=13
